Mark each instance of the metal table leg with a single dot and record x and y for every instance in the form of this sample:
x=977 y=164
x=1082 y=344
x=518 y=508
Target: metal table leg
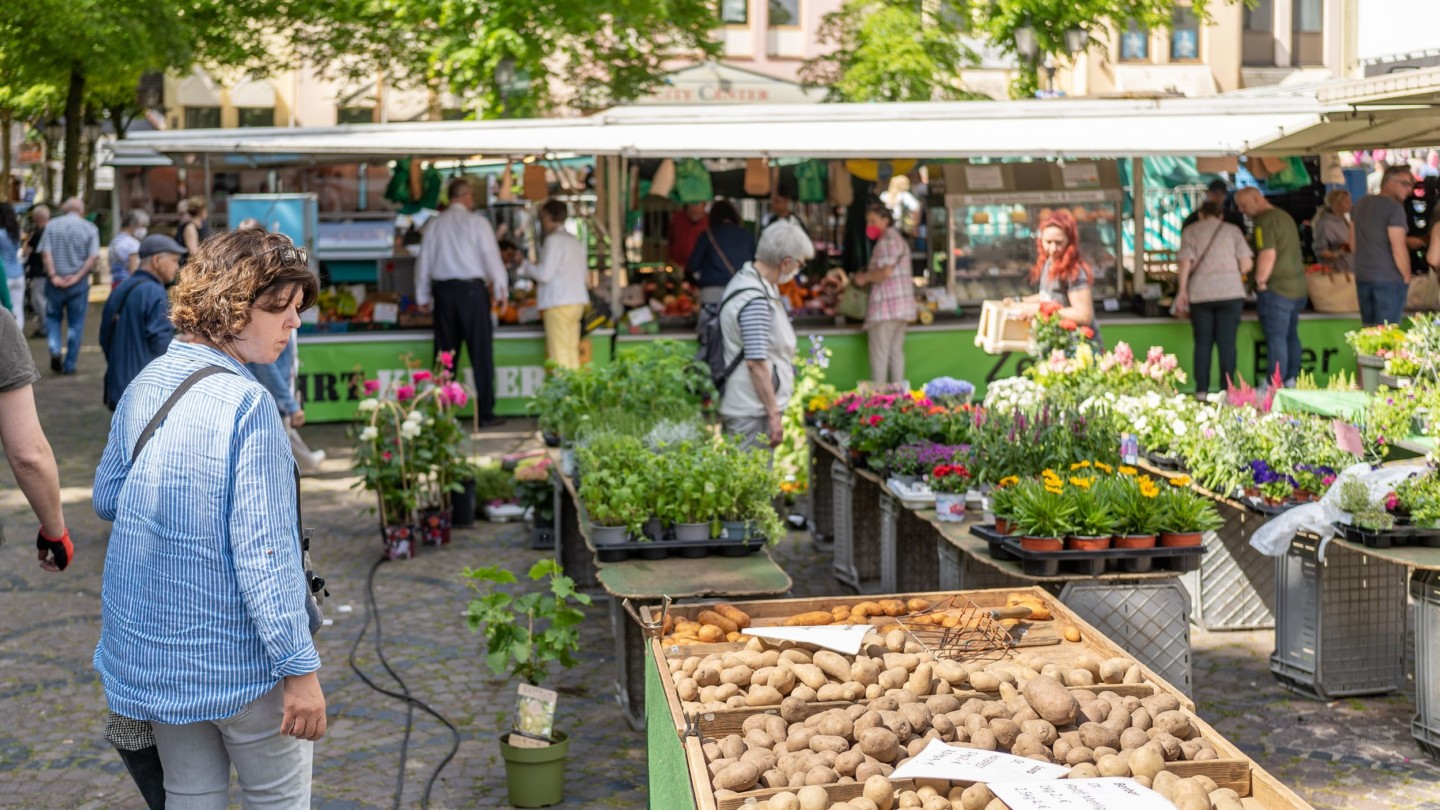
x=629 y=666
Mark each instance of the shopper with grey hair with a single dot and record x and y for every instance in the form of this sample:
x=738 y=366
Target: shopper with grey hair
x=125 y=247
x=1331 y=241
x=70 y=249
x=755 y=326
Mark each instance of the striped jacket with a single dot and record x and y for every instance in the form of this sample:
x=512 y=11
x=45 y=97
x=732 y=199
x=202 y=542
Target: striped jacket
x=203 y=602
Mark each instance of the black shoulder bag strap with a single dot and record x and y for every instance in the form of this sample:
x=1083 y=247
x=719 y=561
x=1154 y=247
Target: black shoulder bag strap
x=114 y=319
x=169 y=404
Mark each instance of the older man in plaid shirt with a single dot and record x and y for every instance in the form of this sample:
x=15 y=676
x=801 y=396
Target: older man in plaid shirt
x=70 y=248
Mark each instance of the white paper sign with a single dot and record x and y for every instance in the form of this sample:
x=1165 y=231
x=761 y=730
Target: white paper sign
x=842 y=638
x=941 y=761
x=1080 y=794
x=984 y=178
x=1080 y=175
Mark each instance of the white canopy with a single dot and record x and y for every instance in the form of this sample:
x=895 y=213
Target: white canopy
x=1053 y=128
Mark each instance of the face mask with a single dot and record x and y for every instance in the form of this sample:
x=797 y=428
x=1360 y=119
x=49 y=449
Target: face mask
x=786 y=278
x=873 y=232
x=140 y=232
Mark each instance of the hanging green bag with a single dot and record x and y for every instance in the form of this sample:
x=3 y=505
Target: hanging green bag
x=811 y=177
x=692 y=182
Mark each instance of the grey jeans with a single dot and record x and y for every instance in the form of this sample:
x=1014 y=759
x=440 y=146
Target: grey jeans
x=887 y=351
x=274 y=770
x=755 y=430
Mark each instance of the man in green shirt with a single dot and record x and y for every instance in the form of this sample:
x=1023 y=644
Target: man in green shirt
x=1280 y=292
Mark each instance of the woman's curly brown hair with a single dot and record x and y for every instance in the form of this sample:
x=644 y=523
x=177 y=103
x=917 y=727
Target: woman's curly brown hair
x=230 y=273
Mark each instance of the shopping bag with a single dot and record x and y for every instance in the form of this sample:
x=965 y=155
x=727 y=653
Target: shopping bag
x=1332 y=292
x=757 y=177
x=854 y=303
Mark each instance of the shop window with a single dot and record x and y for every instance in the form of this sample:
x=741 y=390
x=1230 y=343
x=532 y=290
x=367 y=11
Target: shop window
x=735 y=12
x=256 y=116
x=784 y=13
x=355 y=115
x=1308 y=44
x=202 y=117
x=1134 y=43
x=1184 y=36
x=1258 y=41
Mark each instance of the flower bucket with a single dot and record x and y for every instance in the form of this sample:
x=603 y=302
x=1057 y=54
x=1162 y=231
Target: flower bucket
x=608 y=535
x=1181 y=539
x=691 y=532
x=654 y=529
x=1087 y=543
x=435 y=527
x=1134 y=541
x=1042 y=544
x=950 y=507
x=735 y=531
x=462 y=505
x=399 y=541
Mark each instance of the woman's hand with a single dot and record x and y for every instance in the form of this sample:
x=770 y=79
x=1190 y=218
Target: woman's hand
x=1182 y=303
x=860 y=279
x=297 y=419
x=304 y=708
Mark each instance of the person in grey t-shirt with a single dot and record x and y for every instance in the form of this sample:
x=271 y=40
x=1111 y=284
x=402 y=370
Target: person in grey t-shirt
x=1382 y=257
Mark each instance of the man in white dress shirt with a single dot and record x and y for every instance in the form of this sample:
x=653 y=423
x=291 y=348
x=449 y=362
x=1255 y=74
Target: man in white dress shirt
x=459 y=256
x=562 y=293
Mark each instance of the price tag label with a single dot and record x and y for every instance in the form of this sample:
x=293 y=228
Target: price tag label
x=1347 y=438
x=845 y=638
x=941 y=761
x=1079 y=794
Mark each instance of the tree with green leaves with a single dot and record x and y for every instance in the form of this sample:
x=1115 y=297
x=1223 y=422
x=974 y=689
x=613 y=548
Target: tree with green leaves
x=517 y=57
x=98 y=49
x=892 y=50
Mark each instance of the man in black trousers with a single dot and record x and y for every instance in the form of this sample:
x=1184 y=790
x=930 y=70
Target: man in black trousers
x=461 y=272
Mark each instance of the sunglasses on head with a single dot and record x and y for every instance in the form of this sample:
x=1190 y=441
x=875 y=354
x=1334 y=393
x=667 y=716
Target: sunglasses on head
x=289 y=254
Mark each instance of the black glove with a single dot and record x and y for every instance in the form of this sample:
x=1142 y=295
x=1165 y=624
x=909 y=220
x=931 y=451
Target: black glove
x=59 y=551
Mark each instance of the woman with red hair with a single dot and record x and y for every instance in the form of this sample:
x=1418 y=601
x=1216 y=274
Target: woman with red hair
x=1063 y=277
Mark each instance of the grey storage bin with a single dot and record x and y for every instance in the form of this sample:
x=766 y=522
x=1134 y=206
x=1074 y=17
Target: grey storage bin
x=822 y=494
x=1425 y=587
x=842 y=488
x=1235 y=586
x=1339 y=622
x=1149 y=619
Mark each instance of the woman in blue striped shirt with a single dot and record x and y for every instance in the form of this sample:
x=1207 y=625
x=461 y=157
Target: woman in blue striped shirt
x=205 y=631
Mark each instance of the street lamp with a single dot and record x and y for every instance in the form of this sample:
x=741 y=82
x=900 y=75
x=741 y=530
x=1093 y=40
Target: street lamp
x=1075 y=40
x=91 y=131
x=1025 y=43
x=54 y=130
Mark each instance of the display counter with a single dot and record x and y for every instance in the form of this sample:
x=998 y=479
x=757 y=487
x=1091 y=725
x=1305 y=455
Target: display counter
x=947 y=348
x=331 y=364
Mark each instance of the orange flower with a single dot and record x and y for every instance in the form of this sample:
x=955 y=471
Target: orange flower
x=1069 y=325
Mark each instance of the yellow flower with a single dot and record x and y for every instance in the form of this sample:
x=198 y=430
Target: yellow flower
x=1180 y=481
x=1049 y=473
x=1083 y=483
x=1080 y=465
x=918 y=394
x=1127 y=470
x=1054 y=490
x=1102 y=466
x=1009 y=481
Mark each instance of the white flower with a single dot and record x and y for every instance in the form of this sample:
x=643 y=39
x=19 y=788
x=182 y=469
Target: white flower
x=368 y=405
x=411 y=430
x=370 y=433
x=414 y=416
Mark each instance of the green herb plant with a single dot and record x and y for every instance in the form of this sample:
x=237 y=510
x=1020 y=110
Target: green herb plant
x=525 y=634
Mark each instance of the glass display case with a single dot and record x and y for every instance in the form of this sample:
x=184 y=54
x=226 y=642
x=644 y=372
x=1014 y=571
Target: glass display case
x=992 y=248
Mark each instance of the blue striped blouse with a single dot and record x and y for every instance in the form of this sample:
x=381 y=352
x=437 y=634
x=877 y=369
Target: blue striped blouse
x=203 y=605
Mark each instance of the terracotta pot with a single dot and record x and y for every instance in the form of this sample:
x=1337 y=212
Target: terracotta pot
x=1042 y=544
x=1078 y=543
x=1305 y=496
x=1002 y=525
x=1135 y=541
x=1181 y=539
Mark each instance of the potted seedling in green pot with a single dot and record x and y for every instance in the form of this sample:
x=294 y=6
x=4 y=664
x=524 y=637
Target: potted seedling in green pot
x=524 y=635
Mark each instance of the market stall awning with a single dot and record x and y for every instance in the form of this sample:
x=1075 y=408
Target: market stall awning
x=1056 y=128
x=1401 y=87
x=1359 y=129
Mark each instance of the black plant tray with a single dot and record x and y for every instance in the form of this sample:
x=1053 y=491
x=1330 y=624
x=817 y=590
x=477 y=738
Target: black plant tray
x=1271 y=511
x=1168 y=463
x=1095 y=563
x=1399 y=536
x=994 y=539
x=663 y=549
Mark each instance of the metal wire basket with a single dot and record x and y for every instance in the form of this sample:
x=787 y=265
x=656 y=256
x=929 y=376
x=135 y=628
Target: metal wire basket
x=958 y=629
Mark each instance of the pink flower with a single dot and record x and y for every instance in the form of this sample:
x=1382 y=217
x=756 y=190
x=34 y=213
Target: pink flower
x=371 y=386
x=422 y=376
x=447 y=359
x=1155 y=354
x=1327 y=480
x=454 y=393
x=1391 y=501
x=405 y=392
x=1124 y=355
x=386 y=455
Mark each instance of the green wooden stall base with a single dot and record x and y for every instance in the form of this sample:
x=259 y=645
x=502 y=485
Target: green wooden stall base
x=669 y=777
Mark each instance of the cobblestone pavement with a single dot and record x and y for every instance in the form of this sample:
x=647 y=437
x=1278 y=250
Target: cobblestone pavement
x=1354 y=753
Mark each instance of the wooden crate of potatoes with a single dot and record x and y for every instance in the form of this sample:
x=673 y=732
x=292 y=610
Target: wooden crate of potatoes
x=758 y=733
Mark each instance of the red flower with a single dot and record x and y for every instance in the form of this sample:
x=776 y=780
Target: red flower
x=1069 y=325
x=1049 y=308
x=876 y=419
x=1087 y=332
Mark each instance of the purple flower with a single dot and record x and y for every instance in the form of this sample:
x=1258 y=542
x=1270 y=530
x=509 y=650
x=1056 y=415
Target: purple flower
x=949 y=388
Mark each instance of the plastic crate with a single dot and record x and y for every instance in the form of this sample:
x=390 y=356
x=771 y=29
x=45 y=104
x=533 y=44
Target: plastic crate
x=865 y=494
x=842 y=489
x=889 y=546
x=1150 y=620
x=822 y=509
x=1425 y=588
x=1339 y=622
x=1235 y=586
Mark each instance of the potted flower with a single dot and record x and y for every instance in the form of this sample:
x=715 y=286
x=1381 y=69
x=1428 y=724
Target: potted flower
x=1041 y=514
x=950 y=483
x=524 y=635
x=1273 y=486
x=1311 y=481
x=949 y=391
x=537 y=498
x=1185 y=516
x=1093 y=521
x=1002 y=499
x=1137 y=514
x=386 y=467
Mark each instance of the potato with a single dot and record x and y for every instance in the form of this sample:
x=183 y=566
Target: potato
x=847 y=762
x=1133 y=738
x=1042 y=730
x=1095 y=735
x=1027 y=745
x=710 y=617
x=732 y=747
x=821 y=775
x=1072 y=633
x=1089 y=662
x=755 y=738
x=984 y=739
x=1050 y=700
x=1080 y=755
x=828 y=742
x=878 y=790
x=1174 y=723
x=814 y=617
x=1112 y=670
x=738 y=776
x=1085 y=770
x=1164 y=783
x=893 y=678
x=734 y=614
x=1113 y=766
x=784 y=800
x=1147 y=760
x=919 y=681
x=1079 y=677
x=860 y=803
x=739 y=675
x=832 y=664
x=880 y=743
x=813 y=798
x=1159 y=703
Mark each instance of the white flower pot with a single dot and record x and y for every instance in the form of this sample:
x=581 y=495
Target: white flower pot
x=950 y=507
